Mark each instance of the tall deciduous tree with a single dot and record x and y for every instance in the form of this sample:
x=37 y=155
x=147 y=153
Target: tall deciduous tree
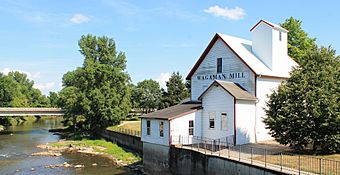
x=299 y=43
x=16 y=90
x=148 y=95
x=305 y=110
x=176 y=91
x=9 y=92
x=101 y=85
x=54 y=99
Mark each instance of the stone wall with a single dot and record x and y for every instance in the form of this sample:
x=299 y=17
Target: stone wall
x=124 y=140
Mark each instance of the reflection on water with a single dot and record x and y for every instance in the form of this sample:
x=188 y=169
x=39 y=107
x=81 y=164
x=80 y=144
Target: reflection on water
x=19 y=142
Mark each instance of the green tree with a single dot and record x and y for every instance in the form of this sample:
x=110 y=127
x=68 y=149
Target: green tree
x=299 y=43
x=10 y=93
x=176 y=91
x=305 y=110
x=54 y=100
x=101 y=85
x=29 y=96
x=148 y=95
x=71 y=101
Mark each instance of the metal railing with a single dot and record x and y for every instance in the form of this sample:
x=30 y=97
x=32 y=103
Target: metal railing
x=276 y=160
x=127 y=131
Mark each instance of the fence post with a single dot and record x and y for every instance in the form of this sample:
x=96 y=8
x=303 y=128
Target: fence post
x=212 y=146
x=321 y=160
x=219 y=147
x=205 y=147
x=299 y=164
x=239 y=153
x=251 y=155
x=179 y=139
x=281 y=160
x=265 y=158
x=191 y=146
x=228 y=151
x=188 y=140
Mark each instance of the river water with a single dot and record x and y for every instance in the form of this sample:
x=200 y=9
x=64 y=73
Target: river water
x=19 y=142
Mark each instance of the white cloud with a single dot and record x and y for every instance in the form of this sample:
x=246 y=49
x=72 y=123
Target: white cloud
x=44 y=86
x=30 y=76
x=79 y=18
x=236 y=13
x=6 y=71
x=163 y=78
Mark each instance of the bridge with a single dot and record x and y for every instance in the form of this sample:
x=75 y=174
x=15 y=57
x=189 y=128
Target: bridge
x=31 y=111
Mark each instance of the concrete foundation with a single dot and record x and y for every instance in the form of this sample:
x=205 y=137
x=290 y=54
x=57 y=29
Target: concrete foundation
x=156 y=159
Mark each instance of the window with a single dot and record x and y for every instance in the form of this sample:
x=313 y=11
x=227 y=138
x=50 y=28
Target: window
x=161 y=129
x=212 y=120
x=223 y=121
x=219 y=65
x=280 y=36
x=148 y=127
x=191 y=127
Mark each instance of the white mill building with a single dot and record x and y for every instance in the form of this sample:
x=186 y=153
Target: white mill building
x=229 y=87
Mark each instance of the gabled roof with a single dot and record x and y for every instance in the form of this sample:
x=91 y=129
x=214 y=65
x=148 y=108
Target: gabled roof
x=233 y=89
x=174 y=111
x=272 y=25
x=243 y=50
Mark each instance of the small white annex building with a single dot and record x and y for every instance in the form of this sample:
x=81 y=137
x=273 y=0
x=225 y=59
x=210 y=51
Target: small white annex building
x=229 y=87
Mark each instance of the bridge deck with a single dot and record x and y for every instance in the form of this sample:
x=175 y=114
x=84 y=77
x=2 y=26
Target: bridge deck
x=31 y=111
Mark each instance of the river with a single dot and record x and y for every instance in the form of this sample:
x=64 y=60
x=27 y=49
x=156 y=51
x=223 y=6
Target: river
x=19 y=142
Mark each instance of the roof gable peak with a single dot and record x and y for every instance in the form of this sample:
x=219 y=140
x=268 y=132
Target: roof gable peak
x=235 y=90
x=270 y=24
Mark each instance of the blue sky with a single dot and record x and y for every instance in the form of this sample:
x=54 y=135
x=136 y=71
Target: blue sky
x=39 y=37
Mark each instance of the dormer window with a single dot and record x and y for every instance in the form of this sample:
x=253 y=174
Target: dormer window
x=280 y=36
x=219 y=65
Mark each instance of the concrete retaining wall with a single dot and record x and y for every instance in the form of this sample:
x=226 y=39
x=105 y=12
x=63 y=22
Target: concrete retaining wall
x=128 y=141
x=184 y=161
x=156 y=159
x=159 y=159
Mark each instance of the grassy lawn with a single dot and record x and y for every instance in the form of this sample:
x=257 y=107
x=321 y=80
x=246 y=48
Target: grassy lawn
x=307 y=163
x=131 y=125
x=102 y=146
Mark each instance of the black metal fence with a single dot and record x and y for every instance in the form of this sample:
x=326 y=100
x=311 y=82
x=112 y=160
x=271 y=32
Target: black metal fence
x=127 y=131
x=277 y=160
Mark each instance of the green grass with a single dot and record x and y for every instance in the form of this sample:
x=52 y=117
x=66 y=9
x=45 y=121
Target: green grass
x=110 y=148
x=1 y=127
x=306 y=162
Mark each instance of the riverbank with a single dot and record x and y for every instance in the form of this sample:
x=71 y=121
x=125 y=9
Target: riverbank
x=15 y=121
x=119 y=156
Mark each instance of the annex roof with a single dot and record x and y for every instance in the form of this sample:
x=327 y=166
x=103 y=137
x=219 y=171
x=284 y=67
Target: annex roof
x=272 y=25
x=242 y=48
x=174 y=111
x=233 y=89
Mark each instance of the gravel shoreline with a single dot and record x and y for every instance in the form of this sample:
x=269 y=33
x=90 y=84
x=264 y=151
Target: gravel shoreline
x=56 y=151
